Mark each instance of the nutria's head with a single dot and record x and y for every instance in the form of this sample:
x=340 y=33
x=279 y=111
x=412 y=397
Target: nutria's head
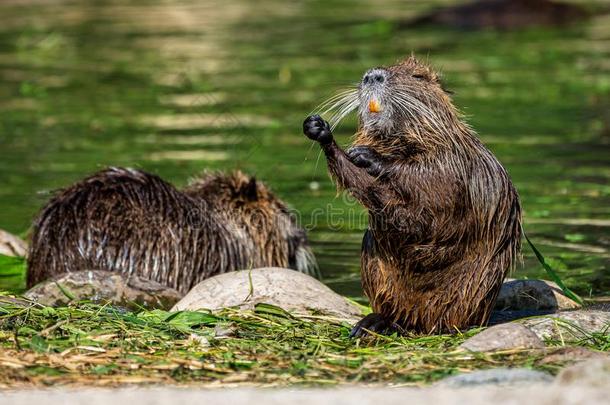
x=406 y=98
x=252 y=208
x=401 y=97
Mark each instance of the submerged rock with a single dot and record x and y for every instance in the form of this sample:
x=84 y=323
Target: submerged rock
x=11 y=245
x=287 y=289
x=504 y=377
x=533 y=295
x=504 y=14
x=103 y=286
x=569 y=326
x=503 y=337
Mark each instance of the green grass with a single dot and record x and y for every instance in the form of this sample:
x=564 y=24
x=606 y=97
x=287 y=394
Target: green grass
x=89 y=344
x=12 y=273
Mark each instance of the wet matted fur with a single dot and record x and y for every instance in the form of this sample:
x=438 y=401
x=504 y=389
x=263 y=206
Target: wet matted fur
x=134 y=222
x=444 y=217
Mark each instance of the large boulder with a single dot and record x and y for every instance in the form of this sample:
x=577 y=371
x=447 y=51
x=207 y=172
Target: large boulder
x=11 y=245
x=103 y=286
x=503 y=337
x=293 y=291
x=533 y=295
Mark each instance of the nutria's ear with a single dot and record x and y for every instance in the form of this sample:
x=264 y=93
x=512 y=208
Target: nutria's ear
x=249 y=190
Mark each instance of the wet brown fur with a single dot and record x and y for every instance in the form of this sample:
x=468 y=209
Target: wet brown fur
x=444 y=217
x=133 y=222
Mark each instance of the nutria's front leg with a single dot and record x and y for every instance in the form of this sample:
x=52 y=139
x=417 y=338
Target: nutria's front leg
x=357 y=180
x=366 y=158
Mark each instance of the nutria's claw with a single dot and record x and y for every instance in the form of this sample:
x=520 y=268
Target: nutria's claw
x=366 y=158
x=317 y=129
x=373 y=322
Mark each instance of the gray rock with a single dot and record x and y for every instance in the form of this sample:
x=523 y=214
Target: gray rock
x=288 y=289
x=569 y=326
x=503 y=337
x=504 y=377
x=592 y=373
x=163 y=394
x=571 y=354
x=533 y=295
x=11 y=245
x=103 y=286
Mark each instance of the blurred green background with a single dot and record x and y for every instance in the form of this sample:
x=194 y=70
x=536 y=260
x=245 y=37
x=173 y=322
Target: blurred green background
x=175 y=87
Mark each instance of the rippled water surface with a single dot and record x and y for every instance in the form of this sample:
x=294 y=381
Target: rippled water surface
x=174 y=87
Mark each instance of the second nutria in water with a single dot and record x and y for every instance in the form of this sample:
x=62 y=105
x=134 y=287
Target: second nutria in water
x=133 y=222
x=444 y=217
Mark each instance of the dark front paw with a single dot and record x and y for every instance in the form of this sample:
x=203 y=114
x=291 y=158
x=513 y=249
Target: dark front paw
x=375 y=323
x=366 y=158
x=317 y=129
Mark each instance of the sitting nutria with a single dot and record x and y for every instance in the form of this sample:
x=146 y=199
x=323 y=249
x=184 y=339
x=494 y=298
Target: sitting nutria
x=133 y=222
x=444 y=217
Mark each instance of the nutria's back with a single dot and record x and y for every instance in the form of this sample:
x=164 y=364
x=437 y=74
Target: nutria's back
x=444 y=217
x=134 y=222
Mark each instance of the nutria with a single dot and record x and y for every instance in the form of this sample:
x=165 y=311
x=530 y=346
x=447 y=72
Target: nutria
x=133 y=222
x=444 y=218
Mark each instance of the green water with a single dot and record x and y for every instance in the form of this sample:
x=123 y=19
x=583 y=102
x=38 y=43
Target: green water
x=174 y=87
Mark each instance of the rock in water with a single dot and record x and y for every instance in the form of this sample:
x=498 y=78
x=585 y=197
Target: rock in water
x=533 y=295
x=569 y=326
x=504 y=377
x=11 y=245
x=287 y=289
x=504 y=14
x=503 y=337
x=103 y=286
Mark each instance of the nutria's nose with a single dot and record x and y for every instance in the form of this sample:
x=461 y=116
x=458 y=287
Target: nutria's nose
x=374 y=76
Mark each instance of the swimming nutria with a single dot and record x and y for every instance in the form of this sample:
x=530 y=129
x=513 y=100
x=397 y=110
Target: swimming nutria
x=444 y=217
x=133 y=222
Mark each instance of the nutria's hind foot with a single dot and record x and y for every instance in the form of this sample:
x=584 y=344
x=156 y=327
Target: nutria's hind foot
x=375 y=323
x=366 y=158
x=317 y=129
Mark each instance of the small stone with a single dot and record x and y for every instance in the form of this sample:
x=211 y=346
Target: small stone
x=571 y=354
x=11 y=245
x=569 y=326
x=592 y=373
x=199 y=340
x=503 y=377
x=224 y=330
x=503 y=337
x=533 y=295
x=103 y=286
x=288 y=289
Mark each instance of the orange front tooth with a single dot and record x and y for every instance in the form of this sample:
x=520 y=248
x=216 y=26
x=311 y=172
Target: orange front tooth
x=374 y=106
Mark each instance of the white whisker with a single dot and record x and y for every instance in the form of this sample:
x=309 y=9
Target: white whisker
x=338 y=116
x=344 y=94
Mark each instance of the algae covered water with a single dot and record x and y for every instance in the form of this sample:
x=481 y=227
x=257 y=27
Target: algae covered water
x=175 y=87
